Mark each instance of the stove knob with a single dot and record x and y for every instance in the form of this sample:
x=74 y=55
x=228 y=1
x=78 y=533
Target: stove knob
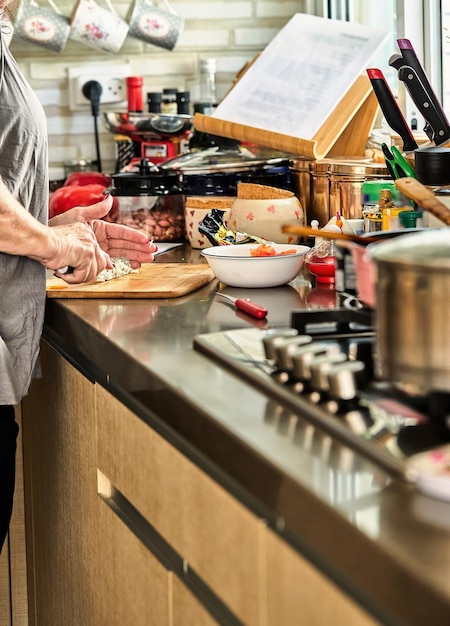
x=304 y=355
x=343 y=379
x=320 y=367
x=274 y=337
x=286 y=349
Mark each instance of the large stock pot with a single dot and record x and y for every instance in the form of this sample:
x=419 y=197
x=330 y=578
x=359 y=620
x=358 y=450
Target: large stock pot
x=413 y=309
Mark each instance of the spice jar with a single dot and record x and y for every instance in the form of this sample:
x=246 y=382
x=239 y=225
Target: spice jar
x=346 y=180
x=151 y=201
x=169 y=101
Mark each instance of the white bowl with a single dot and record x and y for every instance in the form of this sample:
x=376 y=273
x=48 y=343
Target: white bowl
x=234 y=266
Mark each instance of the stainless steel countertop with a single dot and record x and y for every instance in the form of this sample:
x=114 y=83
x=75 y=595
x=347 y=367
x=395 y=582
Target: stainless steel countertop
x=375 y=535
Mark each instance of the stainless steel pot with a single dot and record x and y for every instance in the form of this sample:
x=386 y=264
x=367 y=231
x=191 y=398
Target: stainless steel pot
x=413 y=309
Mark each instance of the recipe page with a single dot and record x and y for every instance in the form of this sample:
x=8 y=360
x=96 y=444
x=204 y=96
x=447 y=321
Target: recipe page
x=296 y=82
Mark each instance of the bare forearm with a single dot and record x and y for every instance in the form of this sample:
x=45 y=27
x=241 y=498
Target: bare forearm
x=20 y=233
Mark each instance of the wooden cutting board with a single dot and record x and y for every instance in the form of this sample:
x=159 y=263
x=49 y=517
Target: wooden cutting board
x=154 y=280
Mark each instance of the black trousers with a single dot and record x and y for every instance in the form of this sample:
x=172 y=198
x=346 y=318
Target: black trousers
x=9 y=430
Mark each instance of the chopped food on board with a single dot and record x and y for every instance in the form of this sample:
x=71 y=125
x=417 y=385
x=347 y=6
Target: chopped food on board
x=121 y=267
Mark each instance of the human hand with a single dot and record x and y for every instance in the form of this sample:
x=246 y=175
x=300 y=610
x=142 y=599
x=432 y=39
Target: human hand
x=115 y=239
x=121 y=241
x=75 y=245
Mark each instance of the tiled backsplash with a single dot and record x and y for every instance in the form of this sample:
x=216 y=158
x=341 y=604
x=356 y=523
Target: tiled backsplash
x=231 y=31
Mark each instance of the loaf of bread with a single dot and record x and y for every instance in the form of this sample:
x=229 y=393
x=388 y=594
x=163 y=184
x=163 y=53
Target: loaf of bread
x=252 y=191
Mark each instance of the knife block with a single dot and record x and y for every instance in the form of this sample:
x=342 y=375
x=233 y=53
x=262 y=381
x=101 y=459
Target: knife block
x=344 y=133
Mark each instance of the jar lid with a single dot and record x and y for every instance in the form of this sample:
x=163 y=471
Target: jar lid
x=360 y=169
x=432 y=165
x=217 y=160
x=408 y=219
x=146 y=182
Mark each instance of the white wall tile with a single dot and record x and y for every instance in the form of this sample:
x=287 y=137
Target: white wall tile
x=232 y=31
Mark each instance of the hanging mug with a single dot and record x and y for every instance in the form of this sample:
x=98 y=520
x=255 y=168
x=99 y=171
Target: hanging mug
x=155 y=25
x=97 y=27
x=42 y=26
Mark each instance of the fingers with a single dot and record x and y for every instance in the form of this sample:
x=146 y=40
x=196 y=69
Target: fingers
x=135 y=256
x=98 y=210
x=119 y=232
x=83 y=214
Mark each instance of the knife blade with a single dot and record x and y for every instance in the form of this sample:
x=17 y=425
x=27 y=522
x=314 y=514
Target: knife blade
x=392 y=113
x=435 y=117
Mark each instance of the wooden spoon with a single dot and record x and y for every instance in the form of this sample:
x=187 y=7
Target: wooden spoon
x=424 y=198
x=306 y=231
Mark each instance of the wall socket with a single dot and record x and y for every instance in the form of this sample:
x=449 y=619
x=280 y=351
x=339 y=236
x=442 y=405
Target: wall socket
x=111 y=78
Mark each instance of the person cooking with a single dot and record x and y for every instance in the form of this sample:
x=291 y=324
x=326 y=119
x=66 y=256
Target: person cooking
x=78 y=238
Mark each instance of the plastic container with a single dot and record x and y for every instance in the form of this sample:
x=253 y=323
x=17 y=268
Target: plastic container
x=149 y=201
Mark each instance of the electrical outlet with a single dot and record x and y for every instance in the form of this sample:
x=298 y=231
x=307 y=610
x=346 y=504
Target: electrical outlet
x=111 y=79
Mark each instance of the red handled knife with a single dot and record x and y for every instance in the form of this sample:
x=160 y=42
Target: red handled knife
x=246 y=305
x=392 y=113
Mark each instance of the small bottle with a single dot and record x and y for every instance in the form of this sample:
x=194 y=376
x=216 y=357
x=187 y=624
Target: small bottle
x=169 y=101
x=134 y=90
x=321 y=259
x=208 y=99
x=154 y=101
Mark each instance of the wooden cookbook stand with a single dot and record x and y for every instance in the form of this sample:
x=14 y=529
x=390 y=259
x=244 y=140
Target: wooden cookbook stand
x=344 y=132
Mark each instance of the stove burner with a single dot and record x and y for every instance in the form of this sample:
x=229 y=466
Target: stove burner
x=333 y=321
x=322 y=369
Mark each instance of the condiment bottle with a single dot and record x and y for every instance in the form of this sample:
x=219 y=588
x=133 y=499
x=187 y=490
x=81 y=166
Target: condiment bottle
x=321 y=259
x=134 y=90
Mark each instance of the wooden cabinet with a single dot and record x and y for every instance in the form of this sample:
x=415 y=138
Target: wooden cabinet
x=60 y=452
x=211 y=530
x=116 y=516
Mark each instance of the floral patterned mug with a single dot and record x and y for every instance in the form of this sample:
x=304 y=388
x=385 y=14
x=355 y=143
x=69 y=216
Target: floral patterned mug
x=152 y=24
x=42 y=26
x=97 y=27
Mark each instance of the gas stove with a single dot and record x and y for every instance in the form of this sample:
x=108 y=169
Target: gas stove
x=323 y=368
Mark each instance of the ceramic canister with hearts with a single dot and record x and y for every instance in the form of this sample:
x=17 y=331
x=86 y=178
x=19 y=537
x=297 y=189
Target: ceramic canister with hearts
x=196 y=208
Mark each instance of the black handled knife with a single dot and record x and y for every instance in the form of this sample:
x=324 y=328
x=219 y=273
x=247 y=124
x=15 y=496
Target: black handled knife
x=434 y=116
x=397 y=61
x=392 y=113
x=410 y=58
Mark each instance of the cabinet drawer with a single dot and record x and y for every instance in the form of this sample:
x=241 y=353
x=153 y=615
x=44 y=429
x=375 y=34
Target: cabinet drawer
x=218 y=537
x=132 y=586
x=298 y=593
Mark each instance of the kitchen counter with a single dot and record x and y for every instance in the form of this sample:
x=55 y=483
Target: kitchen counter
x=371 y=533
